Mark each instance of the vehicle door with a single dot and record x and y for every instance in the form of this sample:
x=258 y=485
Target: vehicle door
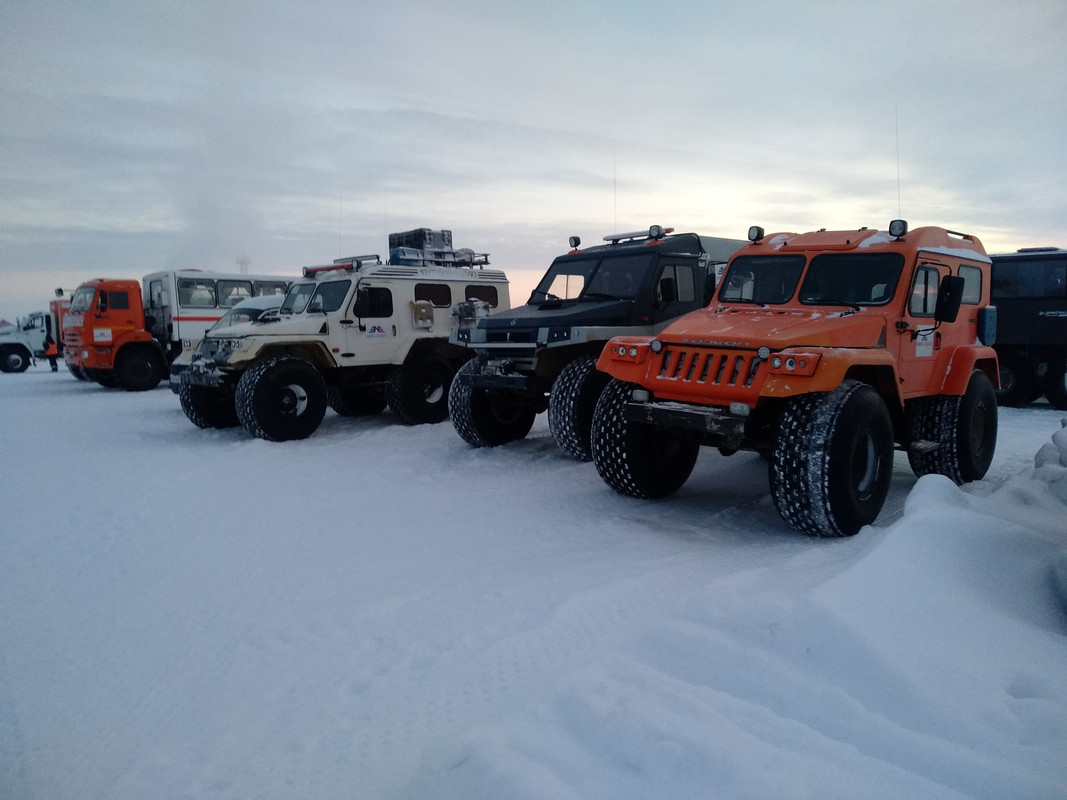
x=114 y=316
x=373 y=326
x=923 y=353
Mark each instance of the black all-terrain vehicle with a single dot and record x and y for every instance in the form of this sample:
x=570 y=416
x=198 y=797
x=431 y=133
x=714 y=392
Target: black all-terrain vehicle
x=1030 y=293
x=543 y=355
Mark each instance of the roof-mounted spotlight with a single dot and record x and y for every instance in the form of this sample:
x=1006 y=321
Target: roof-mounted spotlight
x=658 y=231
x=575 y=242
x=898 y=228
x=755 y=233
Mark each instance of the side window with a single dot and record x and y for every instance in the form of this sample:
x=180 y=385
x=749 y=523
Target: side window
x=972 y=284
x=923 y=298
x=156 y=296
x=118 y=301
x=233 y=292
x=268 y=288
x=196 y=293
x=375 y=301
x=437 y=293
x=484 y=292
x=682 y=277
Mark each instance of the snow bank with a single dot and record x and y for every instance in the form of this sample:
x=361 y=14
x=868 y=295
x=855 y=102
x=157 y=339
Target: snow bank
x=930 y=667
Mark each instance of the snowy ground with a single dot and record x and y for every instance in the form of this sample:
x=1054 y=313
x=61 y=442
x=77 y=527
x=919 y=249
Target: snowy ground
x=383 y=612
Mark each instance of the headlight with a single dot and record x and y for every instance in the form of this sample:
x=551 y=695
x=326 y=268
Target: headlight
x=795 y=363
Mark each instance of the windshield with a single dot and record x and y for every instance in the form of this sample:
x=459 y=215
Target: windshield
x=326 y=296
x=606 y=278
x=852 y=279
x=764 y=280
x=82 y=300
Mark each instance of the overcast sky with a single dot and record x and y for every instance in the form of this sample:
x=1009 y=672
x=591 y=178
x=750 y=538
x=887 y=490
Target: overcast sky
x=137 y=136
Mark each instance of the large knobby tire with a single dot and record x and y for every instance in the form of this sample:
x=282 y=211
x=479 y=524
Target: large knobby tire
x=571 y=405
x=356 y=401
x=418 y=391
x=633 y=458
x=281 y=399
x=1019 y=385
x=955 y=436
x=1056 y=383
x=139 y=368
x=487 y=417
x=14 y=359
x=832 y=460
x=208 y=407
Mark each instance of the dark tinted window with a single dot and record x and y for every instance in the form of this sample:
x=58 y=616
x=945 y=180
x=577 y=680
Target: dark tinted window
x=437 y=293
x=484 y=292
x=118 y=300
x=1030 y=278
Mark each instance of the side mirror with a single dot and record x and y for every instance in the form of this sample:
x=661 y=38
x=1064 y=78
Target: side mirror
x=101 y=302
x=987 y=325
x=949 y=297
x=362 y=304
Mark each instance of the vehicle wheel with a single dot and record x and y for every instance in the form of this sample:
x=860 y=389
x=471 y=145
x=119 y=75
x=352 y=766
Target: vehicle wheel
x=487 y=417
x=1018 y=382
x=105 y=377
x=14 y=359
x=418 y=392
x=281 y=399
x=139 y=369
x=208 y=407
x=1056 y=383
x=356 y=401
x=955 y=436
x=78 y=372
x=832 y=460
x=571 y=405
x=633 y=458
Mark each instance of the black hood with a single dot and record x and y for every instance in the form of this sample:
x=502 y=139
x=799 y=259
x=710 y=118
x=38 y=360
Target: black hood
x=561 y=313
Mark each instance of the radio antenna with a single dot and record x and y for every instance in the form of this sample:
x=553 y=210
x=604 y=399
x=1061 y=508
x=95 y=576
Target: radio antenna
x=614 y=193
x=896 y=125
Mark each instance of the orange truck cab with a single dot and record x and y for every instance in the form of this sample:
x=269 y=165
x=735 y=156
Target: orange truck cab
x=823 y=351
x=104 y=335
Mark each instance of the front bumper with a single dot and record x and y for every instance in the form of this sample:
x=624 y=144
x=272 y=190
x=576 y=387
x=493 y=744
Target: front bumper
x=715 y=426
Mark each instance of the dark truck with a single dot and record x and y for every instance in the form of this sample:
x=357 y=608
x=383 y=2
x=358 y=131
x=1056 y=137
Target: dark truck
x=543 y=355
x=1030 y=293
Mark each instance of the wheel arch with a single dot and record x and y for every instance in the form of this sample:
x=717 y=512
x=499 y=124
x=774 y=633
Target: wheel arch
x=964 y=361
x=314 y=353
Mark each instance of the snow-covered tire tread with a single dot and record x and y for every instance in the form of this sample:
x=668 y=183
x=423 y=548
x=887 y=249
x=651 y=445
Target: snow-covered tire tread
x=571 y=406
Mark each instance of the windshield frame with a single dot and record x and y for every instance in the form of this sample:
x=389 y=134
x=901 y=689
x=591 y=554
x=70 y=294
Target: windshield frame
x=851 y=279
x=762 y=280
x=605 y=276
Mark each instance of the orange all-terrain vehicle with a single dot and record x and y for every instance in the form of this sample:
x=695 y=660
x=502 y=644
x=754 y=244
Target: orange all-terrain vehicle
x=823 y=351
